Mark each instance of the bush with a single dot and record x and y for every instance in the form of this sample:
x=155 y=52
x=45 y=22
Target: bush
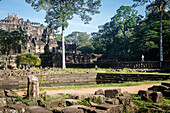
x=28 y=59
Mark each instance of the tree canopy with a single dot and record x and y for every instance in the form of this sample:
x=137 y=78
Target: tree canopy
x=10 y=41
x=60 y=11
x=28 y=59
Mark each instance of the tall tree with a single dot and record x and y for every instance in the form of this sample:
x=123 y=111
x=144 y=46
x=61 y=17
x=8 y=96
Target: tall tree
x=60 y=11
x=125 y=19
x=161 y=5
x=82 y=41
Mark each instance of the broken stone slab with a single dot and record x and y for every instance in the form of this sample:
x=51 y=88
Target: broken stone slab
x=33 y=87
x=88 y=109
x=10 y=93
x=156 y=97
x=110 y=108
x=2 y=94
x=3 y=102
x=55 y=103
x=158 y=88
x=166 y=84
x=144 y=94
x=38 y=109
x=113 y=101
x=71 y=102
x=112 y=92
x=15 y=109
x=72 y=110
x=166 y=93
x=124 y=100
x=98 y=98
x=99 y=92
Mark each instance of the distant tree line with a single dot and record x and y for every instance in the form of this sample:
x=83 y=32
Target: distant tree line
x=128 y=33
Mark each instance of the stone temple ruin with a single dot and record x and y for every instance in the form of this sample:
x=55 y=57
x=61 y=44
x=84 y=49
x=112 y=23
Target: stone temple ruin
x=38 y=36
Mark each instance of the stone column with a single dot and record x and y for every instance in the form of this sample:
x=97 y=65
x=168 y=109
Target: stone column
x=33 y=87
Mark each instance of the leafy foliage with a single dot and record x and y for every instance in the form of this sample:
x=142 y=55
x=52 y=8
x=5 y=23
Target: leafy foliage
x=60 y=11
x=10 y=41
x=28 y=59
x=82 y=40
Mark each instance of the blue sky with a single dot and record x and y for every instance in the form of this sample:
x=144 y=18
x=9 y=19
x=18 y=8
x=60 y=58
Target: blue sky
x=25 y=11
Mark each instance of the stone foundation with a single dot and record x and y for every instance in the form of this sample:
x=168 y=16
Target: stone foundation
x=19 y=82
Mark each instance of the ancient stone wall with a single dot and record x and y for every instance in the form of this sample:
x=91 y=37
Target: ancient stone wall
x=103 y=78
x=18 y=82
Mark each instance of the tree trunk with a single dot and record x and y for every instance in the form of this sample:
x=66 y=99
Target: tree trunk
x=63 y=49
x=6 y=62
x=160 y=36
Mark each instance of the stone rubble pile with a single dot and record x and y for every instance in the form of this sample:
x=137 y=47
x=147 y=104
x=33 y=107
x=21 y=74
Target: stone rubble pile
x=107 y=101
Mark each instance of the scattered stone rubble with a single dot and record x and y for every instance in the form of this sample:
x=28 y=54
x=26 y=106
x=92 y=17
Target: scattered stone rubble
x=108 y=101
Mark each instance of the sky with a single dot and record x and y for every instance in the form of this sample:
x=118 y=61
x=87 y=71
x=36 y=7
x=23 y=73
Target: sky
x=107 y=11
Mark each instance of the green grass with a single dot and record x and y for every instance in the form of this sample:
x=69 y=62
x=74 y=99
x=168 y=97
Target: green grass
x=55 y=71
x=99 y=85
x=103 y=85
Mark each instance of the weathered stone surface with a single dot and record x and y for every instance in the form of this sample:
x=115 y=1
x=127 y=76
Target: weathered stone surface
x=166 y=93
x=38 y=109
x=15 y=109
x=159 y=88
x=72 y=110
x=124 y=100
x=112 y=92
x=88 y=109
x=71 y=102
x=55 y=103
x=32 y=103
x=33 y=87
x=98 y=98
x=2 y=94
x=3 y=102
x=110 y=108
x=57 y=109
x=113 y=101
x=166 y=84
x=99 y=92
x=10 y=93
x=145 y=95
x=156 y=97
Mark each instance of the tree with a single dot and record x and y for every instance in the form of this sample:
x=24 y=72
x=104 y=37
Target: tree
x=113 y=37
x=60 y=11
x=10 y=42
x=161 y=5
x=82 y=41
x=28 y=59
x=126 y=19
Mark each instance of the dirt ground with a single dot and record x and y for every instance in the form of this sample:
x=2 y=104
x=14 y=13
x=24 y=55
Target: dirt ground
x=130 y=89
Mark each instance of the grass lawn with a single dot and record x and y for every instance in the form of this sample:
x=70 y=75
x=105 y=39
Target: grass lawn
x=99 y=85
x=92 y=70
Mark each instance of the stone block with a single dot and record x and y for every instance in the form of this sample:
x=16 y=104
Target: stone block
x=159 y=88
x=156 y=97
x=110 y=108
x=166 y=93
x=55 y=103
x=112 y=92
x=3 y=102
x=99 y=92
x=2 y=94
x=33 y=87
x=38 y=109
x=72 y=110
x=166 y=84
x=112 y=101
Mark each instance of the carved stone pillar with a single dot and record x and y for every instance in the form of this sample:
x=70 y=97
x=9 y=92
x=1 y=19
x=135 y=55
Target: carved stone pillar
x=33 y=87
